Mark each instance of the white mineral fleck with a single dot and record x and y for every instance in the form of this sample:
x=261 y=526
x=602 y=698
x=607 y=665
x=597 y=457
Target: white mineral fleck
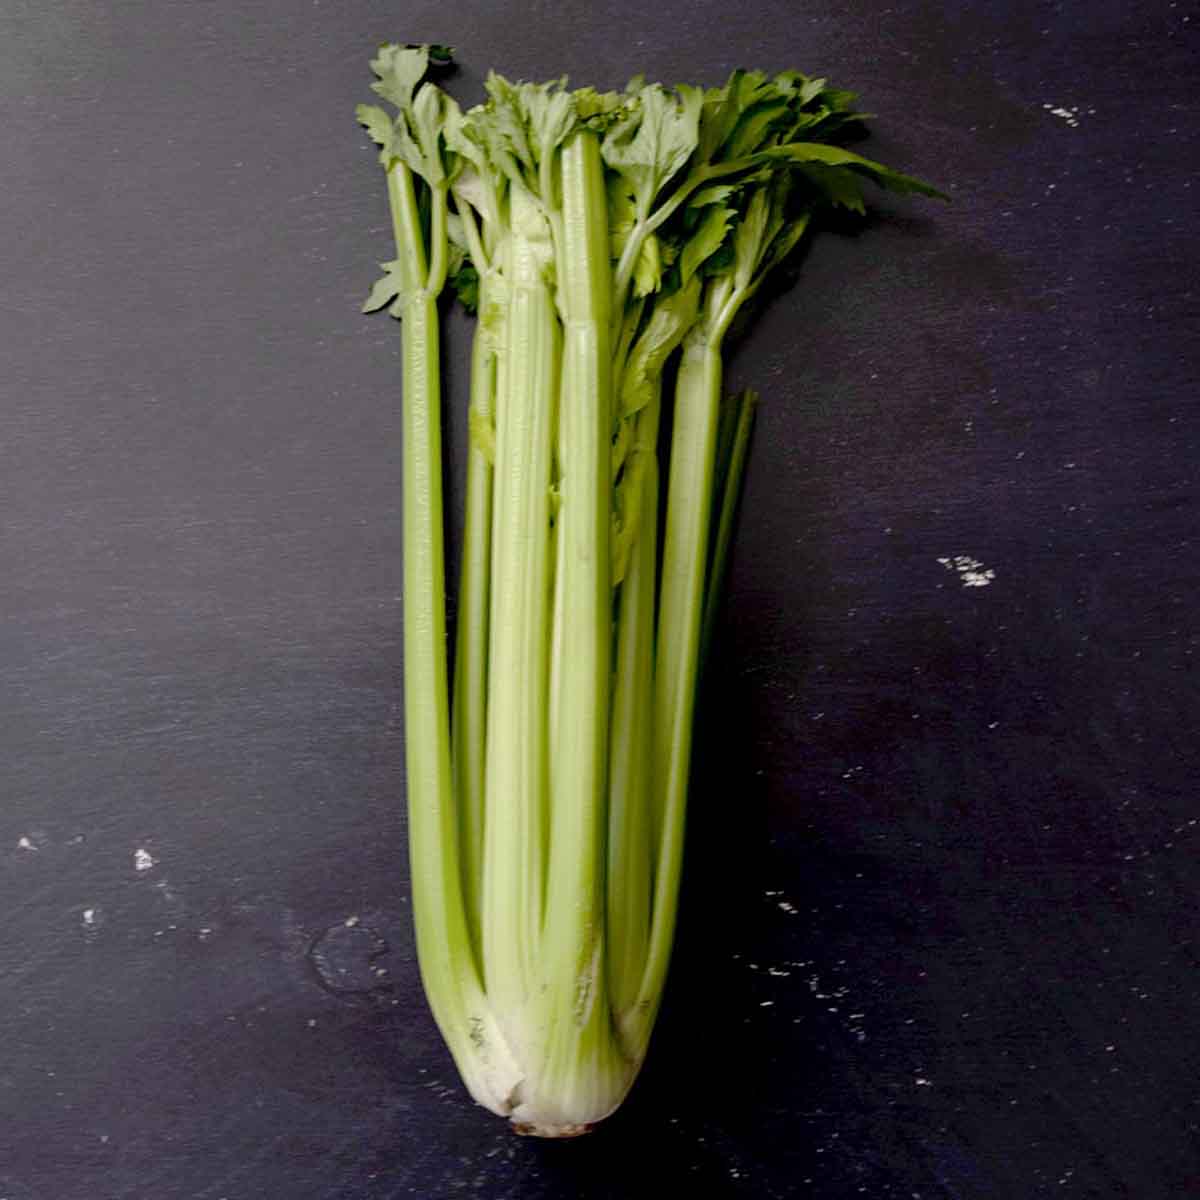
x=970 y=571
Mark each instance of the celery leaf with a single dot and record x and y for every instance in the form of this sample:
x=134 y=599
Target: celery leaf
x=654 y=140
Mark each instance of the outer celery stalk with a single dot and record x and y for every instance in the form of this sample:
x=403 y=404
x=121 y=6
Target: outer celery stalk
x=450 y=979
x=732 y=463
x=681 y=597
x=438 y=905
x=633 y=826
x=437 y=897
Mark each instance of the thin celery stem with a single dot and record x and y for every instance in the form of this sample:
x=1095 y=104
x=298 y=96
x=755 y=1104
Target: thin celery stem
x=684 y=564
x=624 y=341
x=557 y=655
x=631 y=753
x=438 y=241
x=469 y=709
x=406 y=228
x=474 y=242
x=433 y=837
x=731 y=490
x=451 y=982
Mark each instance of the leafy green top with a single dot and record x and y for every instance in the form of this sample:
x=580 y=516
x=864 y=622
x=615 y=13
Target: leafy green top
x=718 y=184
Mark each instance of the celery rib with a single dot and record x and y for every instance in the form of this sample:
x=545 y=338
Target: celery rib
x=451 y=981
x=516 y=800
x=602 y=236
x=575 y=1010
x=469 y=709
x=731 y=462
x=684 y=557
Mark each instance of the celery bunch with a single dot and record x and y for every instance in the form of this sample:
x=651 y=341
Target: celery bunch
x=600 y=237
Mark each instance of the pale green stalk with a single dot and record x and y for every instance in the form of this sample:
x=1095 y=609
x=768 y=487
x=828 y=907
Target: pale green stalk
x=580 y=1078
x=556 y=641
x=469 y=711
x=631 y=741
x=451 y=981
x=681 y=600
x=733 y=467
x=516 y=791
x=632 y=836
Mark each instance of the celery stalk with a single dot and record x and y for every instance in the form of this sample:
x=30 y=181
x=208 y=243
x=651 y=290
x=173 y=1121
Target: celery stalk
x=731 y=461
x=574 y=1006
x=631 y=754
x=684 y=559
x=469 y=724
x=450 y=979
x=603 y=237
x=516 y=796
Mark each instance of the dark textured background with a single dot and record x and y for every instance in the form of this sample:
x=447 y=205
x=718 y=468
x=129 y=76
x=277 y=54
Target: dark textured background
x=940 y=926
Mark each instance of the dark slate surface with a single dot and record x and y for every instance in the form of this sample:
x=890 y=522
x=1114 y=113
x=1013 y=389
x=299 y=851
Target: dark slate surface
x=940 y=924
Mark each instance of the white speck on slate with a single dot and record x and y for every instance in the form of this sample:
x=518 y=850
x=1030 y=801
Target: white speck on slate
x=25 y=844
x=971 y=572
x=143 y=860
x=1068 y=114
x=89 y=916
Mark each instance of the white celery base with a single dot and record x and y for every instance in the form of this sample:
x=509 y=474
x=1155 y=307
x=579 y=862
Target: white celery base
x=550 y=1099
